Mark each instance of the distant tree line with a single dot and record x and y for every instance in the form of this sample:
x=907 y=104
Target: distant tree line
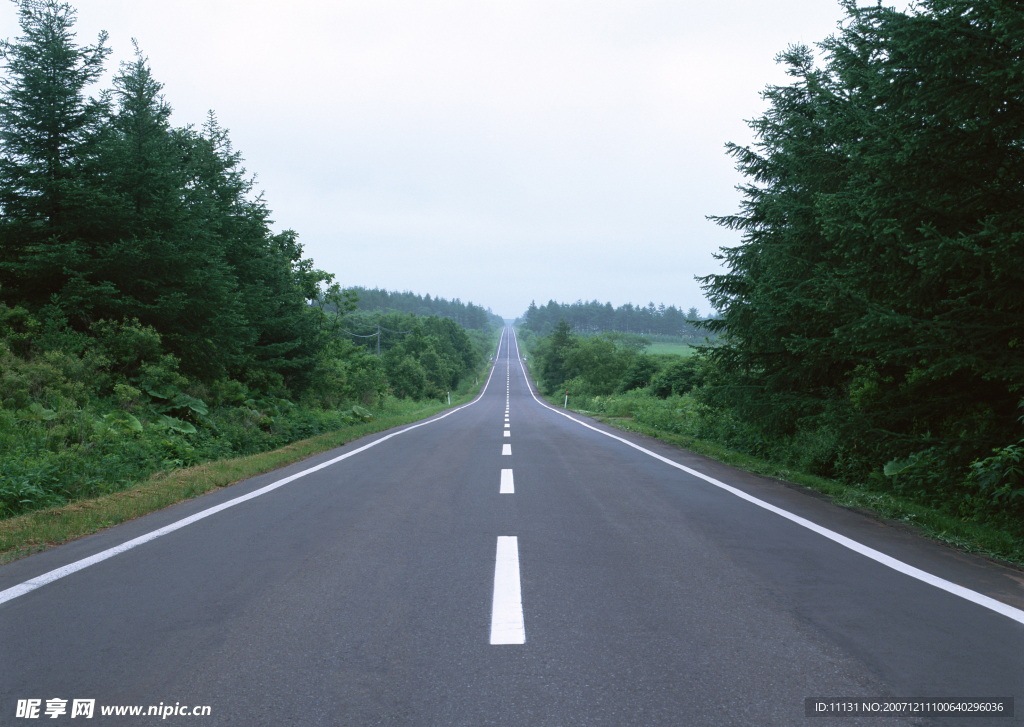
x=467 y=315
x=877 y=291
x=596 y=317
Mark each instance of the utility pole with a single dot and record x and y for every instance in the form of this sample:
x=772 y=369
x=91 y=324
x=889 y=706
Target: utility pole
x=378 y=340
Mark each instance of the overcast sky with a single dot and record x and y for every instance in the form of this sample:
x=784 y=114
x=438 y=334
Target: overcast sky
x=497 y=152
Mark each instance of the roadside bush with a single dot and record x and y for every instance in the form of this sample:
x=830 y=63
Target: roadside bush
x=126 y=345
x=639 y=374
x=679 y=377
x=407 y=377
x=996 y=483
x=815 y=451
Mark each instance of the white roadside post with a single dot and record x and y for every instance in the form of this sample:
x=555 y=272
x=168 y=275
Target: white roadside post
x=566 y=405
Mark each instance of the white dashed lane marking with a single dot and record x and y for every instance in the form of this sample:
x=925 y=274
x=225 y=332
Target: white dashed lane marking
x=507 y=625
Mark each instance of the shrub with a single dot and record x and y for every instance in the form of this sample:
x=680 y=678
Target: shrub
x=639 y=374
x=679 y=377
x=996 y=483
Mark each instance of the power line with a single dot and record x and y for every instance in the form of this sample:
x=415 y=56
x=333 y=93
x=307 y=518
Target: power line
x=380 y=329
x=374 y=333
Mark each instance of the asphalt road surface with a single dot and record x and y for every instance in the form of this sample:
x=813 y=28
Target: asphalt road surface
x=505 y=564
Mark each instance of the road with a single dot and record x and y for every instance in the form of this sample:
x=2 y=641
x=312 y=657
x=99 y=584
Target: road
x=416 y=582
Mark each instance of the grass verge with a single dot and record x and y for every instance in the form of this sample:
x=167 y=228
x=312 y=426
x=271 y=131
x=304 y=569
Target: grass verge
x=963 y=534
x=38 y=530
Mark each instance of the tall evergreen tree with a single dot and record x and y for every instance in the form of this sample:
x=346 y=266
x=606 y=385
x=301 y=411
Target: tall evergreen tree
x=275 y=283
x=877 y=280
x=773 y=295
x=167 y=264
x=47 y=130
x=109 y=212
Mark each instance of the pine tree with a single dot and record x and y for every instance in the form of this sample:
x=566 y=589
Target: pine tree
x=877 y=282
x=47 y=131
x=164 y=258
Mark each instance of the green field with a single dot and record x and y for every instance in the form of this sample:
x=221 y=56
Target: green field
x=680 y=349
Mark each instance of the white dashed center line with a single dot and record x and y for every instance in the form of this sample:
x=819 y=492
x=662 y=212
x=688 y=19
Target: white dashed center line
x=506 y=449
x=507 y=486
x=507 y=625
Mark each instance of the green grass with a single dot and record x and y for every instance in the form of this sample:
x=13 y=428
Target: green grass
x=38 y=530
x=679 y=349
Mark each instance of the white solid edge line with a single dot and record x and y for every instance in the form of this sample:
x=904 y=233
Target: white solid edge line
x=507 y=486
x=966 y=593
x=507 y=625
x=30 y=585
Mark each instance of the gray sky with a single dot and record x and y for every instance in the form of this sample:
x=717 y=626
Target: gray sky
x=493 y=151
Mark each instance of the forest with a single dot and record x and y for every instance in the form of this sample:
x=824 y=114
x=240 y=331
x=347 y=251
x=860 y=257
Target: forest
x=466 y=315
x=871 y=316
x=596 y=317
x=150 y=318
